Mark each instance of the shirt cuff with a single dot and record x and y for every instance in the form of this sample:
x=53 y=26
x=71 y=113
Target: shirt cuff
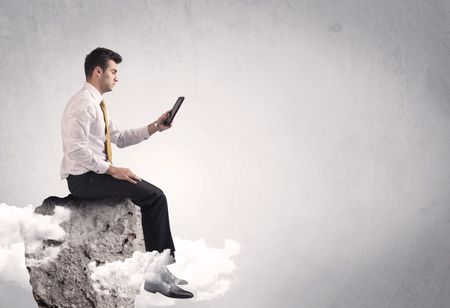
x=143 y=132
x=102 y=167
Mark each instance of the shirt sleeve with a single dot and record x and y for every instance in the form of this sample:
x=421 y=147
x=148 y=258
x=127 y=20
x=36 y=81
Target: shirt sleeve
x=78 y=125
x=126 y=137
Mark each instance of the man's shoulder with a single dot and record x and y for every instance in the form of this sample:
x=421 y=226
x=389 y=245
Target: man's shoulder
x=81 y=101
x=82 y=96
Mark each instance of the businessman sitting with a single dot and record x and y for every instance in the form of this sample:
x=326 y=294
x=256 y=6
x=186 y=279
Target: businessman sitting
x=87 y=133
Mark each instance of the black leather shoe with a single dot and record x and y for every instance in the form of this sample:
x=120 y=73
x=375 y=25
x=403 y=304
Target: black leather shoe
x=171 y=290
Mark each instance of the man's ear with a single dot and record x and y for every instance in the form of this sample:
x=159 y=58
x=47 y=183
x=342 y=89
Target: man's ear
x=98 y=71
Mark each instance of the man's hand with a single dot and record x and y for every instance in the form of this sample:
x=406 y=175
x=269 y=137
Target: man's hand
x=161 y=120
x=123 y=174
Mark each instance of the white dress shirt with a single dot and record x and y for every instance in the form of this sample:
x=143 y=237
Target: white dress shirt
x=83 y=134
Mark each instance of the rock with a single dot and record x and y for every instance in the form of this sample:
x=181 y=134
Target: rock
x=99 y=230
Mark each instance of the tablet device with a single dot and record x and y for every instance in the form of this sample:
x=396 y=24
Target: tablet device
x=174 y=110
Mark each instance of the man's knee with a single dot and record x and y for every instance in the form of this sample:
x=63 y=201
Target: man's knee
x=151 y=193
x=160 y=198
x=159 y=193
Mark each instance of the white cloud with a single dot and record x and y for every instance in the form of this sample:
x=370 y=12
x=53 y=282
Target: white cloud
x=208 y=270
x=12 y=250
x=18 y=223
x=35 y=228
x=12 y=264
x=126 y=277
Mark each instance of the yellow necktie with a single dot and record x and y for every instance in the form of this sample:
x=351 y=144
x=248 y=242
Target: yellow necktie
x=108 y=150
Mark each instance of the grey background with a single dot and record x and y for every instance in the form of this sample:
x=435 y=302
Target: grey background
x=315 y=133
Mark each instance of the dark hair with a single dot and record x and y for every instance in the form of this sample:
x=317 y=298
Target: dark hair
x=99 y=57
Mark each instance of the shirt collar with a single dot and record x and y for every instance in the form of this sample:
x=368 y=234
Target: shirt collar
x=94 y=92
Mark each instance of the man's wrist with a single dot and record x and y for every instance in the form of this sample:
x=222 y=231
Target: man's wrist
x=110 y=170
x=153 y=128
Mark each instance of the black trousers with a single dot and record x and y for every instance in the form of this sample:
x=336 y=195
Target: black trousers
x=151 y=200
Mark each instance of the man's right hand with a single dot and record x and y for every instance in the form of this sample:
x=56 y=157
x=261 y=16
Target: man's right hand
x=123 y=174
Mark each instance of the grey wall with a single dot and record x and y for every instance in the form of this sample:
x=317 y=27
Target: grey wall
x=315 y=133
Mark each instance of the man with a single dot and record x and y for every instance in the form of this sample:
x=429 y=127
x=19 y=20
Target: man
x=87 y=133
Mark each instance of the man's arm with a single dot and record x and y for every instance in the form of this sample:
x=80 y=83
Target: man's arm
x=126 y=137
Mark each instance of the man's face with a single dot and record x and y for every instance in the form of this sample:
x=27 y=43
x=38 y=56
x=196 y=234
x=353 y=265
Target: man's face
x=109 y=77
